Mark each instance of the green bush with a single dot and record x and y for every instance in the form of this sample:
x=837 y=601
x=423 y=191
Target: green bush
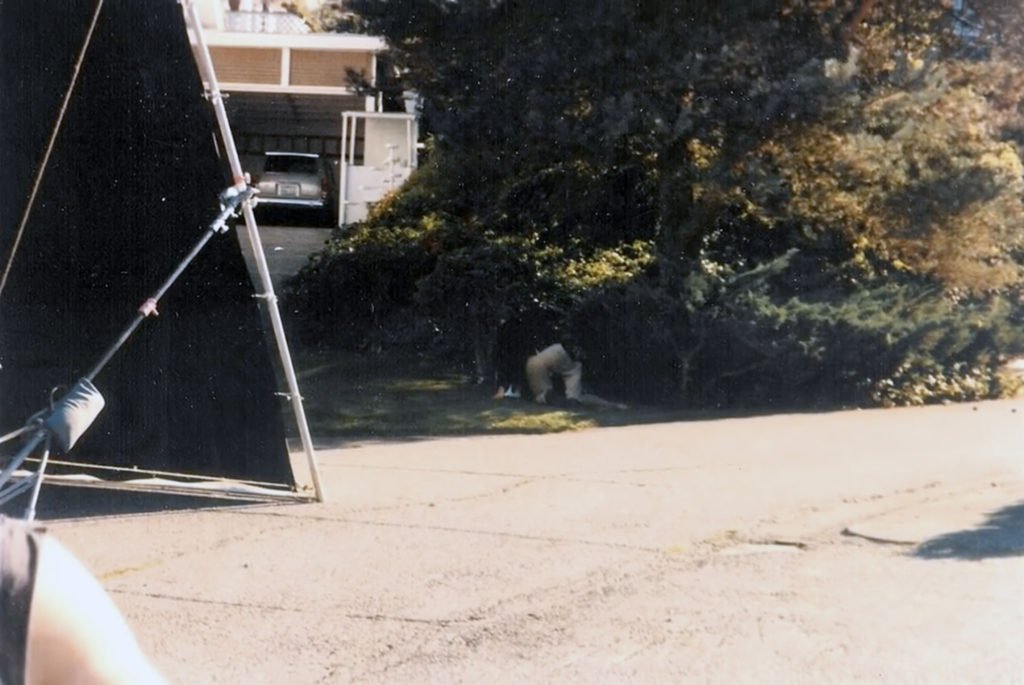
x=743 y=343
x=633 y=340
x=473 y=288
x=347 y=294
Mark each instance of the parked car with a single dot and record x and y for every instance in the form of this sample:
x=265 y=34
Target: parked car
x=293 y=179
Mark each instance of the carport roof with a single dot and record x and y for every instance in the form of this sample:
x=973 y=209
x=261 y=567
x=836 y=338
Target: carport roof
x=302 y=115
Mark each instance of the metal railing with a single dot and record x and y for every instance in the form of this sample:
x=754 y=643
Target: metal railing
x=265 y=22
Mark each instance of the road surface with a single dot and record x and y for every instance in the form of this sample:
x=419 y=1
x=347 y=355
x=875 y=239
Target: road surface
x=872 y=546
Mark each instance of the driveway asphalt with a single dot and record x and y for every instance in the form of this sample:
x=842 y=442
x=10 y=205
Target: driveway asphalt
x=865 y=546
x=287 y=249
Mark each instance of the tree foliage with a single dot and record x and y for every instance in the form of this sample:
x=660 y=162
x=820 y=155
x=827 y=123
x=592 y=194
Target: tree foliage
x=733 y=203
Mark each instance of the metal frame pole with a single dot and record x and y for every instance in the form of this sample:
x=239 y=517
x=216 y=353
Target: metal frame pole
x=205 y=63
x=148 y=308
x=33 y=500
x=343 y=187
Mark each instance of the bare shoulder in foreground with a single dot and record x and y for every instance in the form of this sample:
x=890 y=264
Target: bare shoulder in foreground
x=76 y=634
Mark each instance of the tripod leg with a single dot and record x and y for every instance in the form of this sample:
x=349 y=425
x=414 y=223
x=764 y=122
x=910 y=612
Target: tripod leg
x=30 y=511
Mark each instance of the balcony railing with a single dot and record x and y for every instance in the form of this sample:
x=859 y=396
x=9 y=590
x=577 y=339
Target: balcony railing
x=265 y=22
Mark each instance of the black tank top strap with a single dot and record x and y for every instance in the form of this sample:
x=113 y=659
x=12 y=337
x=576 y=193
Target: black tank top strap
x=19 y=555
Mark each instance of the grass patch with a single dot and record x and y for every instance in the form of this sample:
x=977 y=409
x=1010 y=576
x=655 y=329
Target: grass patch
x=356 y=396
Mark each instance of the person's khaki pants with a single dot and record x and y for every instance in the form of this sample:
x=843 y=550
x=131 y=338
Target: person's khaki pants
x=541 y=367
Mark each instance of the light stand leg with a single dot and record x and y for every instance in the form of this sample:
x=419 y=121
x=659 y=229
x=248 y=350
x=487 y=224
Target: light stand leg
x=30 y=511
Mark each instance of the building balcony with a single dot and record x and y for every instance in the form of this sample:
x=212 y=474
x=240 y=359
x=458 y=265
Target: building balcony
x=257 y=47
x=264 y=22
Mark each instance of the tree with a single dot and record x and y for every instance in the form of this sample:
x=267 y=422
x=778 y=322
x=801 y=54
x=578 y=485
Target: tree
x=770 y=187
x=518 y=87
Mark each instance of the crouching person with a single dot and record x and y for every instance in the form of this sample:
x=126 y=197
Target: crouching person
x=528 y=362
x=552 y=362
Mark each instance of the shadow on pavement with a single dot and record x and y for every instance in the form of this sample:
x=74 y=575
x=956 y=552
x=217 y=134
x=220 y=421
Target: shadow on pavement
x=63 y=502
x=1002 y=535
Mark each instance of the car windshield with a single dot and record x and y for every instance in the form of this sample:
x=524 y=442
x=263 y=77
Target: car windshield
x=291 y=165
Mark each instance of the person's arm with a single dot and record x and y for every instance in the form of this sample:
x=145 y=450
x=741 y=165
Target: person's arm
x=76 y=634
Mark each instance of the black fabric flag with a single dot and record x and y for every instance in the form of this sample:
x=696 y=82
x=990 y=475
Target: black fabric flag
x=132 y=184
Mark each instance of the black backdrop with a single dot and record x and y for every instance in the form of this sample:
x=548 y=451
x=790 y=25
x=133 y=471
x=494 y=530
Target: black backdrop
x=131 y=185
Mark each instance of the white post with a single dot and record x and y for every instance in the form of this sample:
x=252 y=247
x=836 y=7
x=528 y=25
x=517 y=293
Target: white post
x=205 y=63
x=352 y=133
x=343 y=190
x=286 y=66
x=410 y=146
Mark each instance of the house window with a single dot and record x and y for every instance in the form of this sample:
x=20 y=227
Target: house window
x=321 y=68
x=247 y=65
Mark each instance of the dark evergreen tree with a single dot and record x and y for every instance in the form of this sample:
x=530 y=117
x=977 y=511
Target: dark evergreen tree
x=763 y=188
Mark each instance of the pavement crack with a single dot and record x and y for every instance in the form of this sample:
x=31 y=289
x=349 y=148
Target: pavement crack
x=799 y=544
x=472 y=531
x=461 y=472
x=731 y=541
x=464 y=498
x=877 y=539
x=212 y=602
x=503 y=489
x=109 y=574
x=437 y=622
x=497 y=533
